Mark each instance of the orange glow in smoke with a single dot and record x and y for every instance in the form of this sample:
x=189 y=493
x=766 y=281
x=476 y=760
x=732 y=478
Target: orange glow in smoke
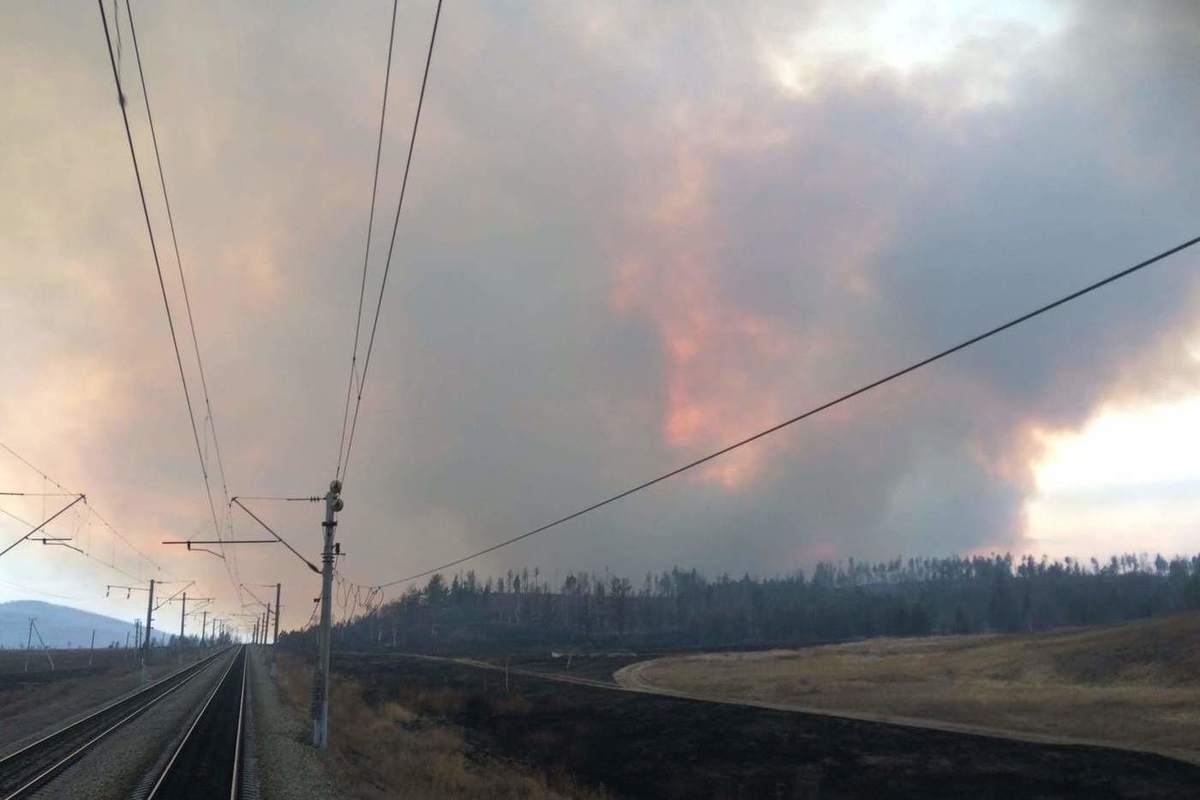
x=716 y=352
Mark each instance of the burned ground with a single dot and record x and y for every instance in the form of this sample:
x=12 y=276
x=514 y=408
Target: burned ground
x=639 y=745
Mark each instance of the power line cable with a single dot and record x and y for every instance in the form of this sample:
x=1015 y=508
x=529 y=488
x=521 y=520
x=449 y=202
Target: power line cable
x=41 y=474
x=128 y=543
x=158 y=269
x=114 y=567
x=211 y=420
x=86 y=503
x=362 y=289
x=83 y=552
x=813 y=411
x=187 y=302
x=25 y=536
x=46 y=594
x=256 y=599
x=345 y=463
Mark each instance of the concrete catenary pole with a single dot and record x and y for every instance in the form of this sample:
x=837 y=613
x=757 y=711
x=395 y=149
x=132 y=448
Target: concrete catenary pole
x=278 y=589
x=333 y=504
x=149 y=623
x=266 y=623
x=203 y=626
x=182 y=617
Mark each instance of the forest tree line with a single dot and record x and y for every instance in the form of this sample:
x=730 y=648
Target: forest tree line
x=526 y=609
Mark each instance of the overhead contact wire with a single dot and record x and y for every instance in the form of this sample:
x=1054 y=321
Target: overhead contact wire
x=362 y=289
x=392 y=245
x=121 y=101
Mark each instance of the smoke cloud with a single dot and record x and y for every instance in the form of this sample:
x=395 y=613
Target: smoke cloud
x=633 y=235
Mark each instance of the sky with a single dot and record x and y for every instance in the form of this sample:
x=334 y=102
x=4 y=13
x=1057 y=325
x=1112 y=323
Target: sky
x=633 y=233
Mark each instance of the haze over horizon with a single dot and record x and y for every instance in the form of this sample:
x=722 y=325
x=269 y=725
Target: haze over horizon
x=633 y=234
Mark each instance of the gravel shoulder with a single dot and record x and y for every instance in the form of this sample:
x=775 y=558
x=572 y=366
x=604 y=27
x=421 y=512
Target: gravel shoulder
x=116 y=766
x=288 y=767
x=29 y=711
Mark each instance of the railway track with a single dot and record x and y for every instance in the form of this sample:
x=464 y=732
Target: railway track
x=26 y=770
x=207 y=763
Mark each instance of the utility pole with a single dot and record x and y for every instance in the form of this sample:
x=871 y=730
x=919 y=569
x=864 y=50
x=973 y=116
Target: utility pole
x=278 y=588
x=149 y=623
x=182 y=617
x=333 y=504
x=42 y=642
x=28 y=644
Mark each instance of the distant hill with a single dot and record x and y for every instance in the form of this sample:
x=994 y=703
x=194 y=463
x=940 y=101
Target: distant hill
x=61 y=626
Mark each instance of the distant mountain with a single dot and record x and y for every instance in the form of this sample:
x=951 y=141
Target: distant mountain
x=61 y=626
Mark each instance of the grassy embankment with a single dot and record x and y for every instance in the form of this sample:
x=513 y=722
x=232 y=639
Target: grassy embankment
x=393 y=751
x=1135 y=685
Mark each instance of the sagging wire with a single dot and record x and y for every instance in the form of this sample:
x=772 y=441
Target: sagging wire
x=352 y=596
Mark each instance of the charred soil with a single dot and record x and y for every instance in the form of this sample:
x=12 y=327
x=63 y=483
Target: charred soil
x=640 y=745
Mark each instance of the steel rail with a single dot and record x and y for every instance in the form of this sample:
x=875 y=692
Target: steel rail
x=175 y=760
x=235 y=785
x=151 y=695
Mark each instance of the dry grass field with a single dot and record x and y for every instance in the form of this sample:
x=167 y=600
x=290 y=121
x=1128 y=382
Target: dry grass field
x=1135 y=685
x=387 y=750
